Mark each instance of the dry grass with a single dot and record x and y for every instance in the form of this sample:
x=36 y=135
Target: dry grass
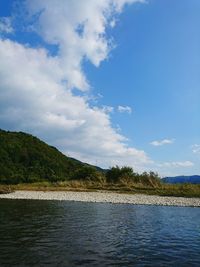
x=179 y=190
x=6 y=189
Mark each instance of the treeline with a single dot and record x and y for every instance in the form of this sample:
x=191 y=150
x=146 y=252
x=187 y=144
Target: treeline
x=26 y=159
x=117 y=175
x=126 y=175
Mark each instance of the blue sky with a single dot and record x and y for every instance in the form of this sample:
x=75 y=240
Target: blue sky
x=124 y=91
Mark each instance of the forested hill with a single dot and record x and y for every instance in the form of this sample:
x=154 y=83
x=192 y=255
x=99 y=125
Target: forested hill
x=25 y=158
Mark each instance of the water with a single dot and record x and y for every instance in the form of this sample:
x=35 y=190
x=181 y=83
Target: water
x=53 y=233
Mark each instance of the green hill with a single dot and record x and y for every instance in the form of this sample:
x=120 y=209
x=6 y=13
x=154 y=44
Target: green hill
x=26 y=159
x=27 y=162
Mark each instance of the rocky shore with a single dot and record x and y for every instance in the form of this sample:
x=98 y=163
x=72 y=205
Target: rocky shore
x=104 y=197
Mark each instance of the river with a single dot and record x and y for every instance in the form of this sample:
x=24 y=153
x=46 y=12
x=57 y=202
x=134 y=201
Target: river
x=64 y=233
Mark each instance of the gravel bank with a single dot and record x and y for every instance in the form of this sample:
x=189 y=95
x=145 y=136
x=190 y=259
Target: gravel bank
x=104 y=197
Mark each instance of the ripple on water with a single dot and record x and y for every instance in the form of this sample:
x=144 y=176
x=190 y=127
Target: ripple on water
x=51 y=233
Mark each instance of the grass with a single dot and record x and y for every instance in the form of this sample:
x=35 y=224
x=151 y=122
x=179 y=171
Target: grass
x=6 y=189
x=177 y=190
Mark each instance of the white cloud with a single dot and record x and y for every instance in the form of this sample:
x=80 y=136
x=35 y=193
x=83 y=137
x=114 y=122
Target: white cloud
x=34 y=98
x=36 y=89
x=174 y=168
x=108 y=109
x=79 y=29
x=177 y=164
x=196 y=149
x=5 y=25
x=162 y=142
x=124 y=109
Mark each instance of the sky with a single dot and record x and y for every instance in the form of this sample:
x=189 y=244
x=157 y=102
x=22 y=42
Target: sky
x=109 y=82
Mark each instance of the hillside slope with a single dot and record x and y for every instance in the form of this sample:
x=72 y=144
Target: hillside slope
x=25 y=158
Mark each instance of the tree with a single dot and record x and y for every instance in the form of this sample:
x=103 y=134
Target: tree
x=87 y=173
x=115 y=174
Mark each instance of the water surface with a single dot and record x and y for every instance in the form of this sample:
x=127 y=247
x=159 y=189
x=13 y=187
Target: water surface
x=61 y=233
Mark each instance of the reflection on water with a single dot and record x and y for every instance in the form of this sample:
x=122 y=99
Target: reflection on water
x=53 y=233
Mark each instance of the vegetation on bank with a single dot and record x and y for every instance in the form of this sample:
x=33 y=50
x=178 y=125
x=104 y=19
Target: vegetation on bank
x=5 y=189
x=181 y=190
x=27 y=163
x=26 y=159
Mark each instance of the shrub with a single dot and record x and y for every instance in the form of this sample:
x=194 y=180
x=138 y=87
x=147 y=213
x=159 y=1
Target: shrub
x=87 y=173
x=115 y=174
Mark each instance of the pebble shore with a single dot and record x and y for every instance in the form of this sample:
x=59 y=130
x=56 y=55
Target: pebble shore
x=104 y=197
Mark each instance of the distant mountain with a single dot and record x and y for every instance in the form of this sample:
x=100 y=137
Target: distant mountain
x=24 y=159
x=194 y=179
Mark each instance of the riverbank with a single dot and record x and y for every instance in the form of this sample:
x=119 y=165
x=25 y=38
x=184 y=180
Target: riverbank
x=104 y=197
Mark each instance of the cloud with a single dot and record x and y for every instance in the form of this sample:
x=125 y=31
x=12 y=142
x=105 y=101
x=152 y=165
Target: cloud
x=162 y=142
x=5 y=25
x=78 y=28
x=177 y=164
x=36 y=88
x=124 y=109
x=108 y=109
x=196 y=149
x=173 y=168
